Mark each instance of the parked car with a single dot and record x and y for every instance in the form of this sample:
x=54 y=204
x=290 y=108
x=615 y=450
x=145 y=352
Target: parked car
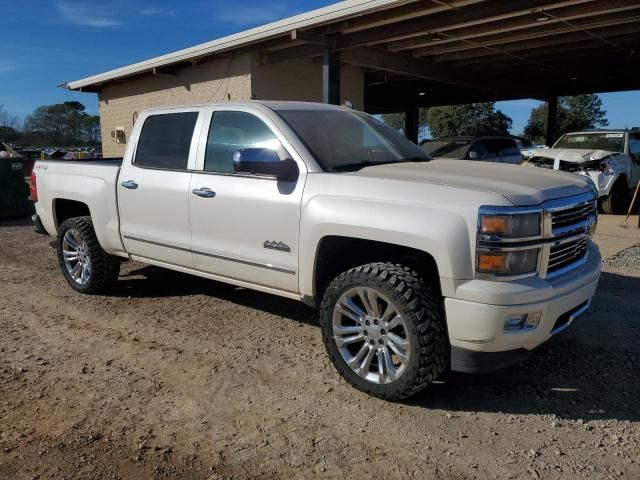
x=611 y=158
x=526 y=147
x=486 y=149
x=414 y=264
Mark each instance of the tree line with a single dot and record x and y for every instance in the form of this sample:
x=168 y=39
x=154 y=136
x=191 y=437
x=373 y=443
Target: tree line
x=574 y=113
x=60 y=125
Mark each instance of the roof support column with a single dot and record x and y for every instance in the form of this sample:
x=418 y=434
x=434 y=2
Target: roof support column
x=331 y=77
x=552 y=115
x=412 y=123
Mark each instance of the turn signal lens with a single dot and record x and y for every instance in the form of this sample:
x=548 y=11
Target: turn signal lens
x=493 y=224
x=491 y=262
x=508 y=263
x=517 y=225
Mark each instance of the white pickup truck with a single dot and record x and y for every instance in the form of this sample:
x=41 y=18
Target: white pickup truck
x=611 y=158
x=416 y=265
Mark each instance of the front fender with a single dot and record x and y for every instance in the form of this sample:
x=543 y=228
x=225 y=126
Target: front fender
x=443 y=233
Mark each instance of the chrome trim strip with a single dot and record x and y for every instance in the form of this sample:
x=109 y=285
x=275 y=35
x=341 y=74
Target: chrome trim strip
x=211 y=255
x=572 y=317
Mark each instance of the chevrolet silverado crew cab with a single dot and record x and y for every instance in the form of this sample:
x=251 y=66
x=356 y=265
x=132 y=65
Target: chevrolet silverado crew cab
x=611 y=158
x=415 y=265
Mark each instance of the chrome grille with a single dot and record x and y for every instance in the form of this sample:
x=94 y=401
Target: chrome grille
x=572 y=215
x=565 y=254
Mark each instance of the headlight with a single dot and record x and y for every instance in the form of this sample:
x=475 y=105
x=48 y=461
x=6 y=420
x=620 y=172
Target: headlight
x=594 y=166
x=509 y=263
x=512 y=226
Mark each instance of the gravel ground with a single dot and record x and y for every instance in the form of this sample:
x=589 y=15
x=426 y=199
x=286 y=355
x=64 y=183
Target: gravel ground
x=171 y=376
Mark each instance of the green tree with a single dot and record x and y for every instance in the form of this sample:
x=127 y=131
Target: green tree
x=91 y=129
x=574 y=113
x=60 y=124
x=471 y=119
x=396 y=121
x=8 y=134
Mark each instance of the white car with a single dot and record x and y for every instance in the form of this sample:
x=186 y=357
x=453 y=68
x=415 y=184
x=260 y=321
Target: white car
x=611 y=158
x=414 y=264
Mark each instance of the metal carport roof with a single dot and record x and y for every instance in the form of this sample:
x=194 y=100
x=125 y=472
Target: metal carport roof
x=434 y=52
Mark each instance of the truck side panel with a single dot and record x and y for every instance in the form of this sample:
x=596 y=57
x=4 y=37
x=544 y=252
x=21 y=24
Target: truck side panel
x=93 y=184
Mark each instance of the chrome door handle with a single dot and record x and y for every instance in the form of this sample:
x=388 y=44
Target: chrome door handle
x=130 y=184
x=204 y=192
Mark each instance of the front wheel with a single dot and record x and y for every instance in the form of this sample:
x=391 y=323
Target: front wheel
x=84 y=264
x=617 y=202
x=384 y=330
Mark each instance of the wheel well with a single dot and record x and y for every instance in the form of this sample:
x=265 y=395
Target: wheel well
x=338 y=254
x=64 y=209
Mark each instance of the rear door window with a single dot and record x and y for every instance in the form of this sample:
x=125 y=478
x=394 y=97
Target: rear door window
x=165 y=141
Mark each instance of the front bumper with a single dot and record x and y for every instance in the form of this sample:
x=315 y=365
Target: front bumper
x=477 y=328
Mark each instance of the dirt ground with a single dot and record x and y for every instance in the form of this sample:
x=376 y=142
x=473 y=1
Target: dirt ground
x=176 y=377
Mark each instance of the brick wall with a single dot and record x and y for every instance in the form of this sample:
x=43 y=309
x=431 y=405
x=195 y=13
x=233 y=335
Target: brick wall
x=233 y=78
x=224 y=79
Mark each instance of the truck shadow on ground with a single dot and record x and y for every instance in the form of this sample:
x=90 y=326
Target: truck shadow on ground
x=589 y=371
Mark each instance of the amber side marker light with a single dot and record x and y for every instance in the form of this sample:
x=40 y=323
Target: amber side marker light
x=494 y=225
x=491 y=262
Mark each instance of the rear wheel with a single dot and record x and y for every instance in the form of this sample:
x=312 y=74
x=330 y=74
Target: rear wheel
x=617 y=202
x=84 y=264
x=384 y=330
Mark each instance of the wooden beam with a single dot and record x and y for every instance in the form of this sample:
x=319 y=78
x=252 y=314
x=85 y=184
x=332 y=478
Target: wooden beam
x=301 y=51
x=378 y=59
x=606 y=21
x=515 y=24
x=537 y=55
x=408 y=11
x=309 y=37
x=471 y=15
x=523 y=46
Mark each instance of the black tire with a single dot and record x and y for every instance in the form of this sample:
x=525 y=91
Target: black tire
x=105 y=268
x=422 y=310
x=617 y=202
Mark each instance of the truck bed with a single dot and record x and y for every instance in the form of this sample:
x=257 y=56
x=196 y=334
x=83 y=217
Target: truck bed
x=92 y=183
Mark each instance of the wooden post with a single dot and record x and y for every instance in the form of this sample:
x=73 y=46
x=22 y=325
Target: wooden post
x=331 y=77
x=412 y=123
x=552 y=116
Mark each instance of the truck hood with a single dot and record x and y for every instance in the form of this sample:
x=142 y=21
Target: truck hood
x=573 y=155
x=520 y=185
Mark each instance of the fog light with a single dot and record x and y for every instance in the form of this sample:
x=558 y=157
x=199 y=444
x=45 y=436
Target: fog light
x=522 y=323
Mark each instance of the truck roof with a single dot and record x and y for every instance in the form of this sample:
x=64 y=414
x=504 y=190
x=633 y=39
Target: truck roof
x=273 y=105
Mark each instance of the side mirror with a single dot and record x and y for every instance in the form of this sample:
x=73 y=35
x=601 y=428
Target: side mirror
x=473 y=155
x=265 y=161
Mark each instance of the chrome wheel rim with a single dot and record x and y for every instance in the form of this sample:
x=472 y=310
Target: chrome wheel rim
x=76 y=257
x=371 y=335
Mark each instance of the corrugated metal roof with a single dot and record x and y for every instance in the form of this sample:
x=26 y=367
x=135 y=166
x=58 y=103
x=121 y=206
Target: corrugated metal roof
x=314 y=18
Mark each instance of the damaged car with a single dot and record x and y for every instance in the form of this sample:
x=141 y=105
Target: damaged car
x=611 y=158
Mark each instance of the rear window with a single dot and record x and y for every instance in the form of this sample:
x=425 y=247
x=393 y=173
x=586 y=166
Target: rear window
x=165 y=141
x=446 y=148
x=501 y=147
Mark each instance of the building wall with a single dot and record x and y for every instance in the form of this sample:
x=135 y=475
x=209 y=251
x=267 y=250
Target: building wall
x=234 y=78
x=301 y=79
x=221 y=80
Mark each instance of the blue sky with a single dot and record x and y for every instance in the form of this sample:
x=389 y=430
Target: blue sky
x=47 y=42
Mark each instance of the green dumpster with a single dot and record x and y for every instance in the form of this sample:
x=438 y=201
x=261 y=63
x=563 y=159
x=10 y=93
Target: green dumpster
x=14 y=192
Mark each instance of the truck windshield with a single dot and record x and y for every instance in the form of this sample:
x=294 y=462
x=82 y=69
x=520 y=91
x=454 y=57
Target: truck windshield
x=611 y=142
x=446 y=148
x=342 y=140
